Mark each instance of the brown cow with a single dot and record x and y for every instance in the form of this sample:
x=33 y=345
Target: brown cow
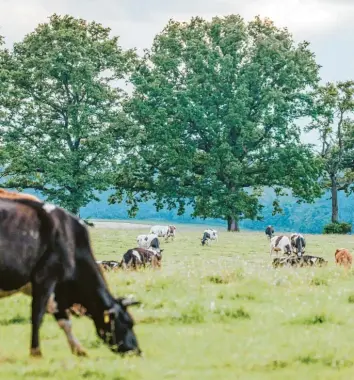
x=343 y=257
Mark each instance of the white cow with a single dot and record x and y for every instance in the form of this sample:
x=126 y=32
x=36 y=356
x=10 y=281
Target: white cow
x=164 y=231
x=280 y=244
x=149 y=241
x=209 y=235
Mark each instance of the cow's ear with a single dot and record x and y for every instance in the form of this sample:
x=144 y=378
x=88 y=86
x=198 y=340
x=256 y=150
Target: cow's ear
x=161 y=250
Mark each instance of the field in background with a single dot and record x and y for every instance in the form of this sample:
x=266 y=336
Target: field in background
x=219 y=312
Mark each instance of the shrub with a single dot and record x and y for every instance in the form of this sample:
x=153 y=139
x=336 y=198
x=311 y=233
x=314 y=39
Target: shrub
x=337 y=228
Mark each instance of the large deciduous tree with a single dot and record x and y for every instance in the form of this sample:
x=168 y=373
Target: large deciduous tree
x=61 y=118
x=333 y=119
x=216 y=104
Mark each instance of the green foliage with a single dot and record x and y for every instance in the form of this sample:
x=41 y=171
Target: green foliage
x=216 y=105
x=337 y=228
x=61 y=119
x=333 y=119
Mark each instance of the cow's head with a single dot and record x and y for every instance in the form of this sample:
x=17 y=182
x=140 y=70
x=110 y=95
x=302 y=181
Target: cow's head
x=116 y=328
x=171 y=230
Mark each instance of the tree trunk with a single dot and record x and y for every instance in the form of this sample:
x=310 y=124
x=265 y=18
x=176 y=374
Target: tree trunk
x=334 y=191
x=232 y=225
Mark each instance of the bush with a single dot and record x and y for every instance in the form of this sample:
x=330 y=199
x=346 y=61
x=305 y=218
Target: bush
x=337 y=228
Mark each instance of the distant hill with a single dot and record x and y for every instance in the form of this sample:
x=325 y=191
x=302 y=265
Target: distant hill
x=306 y=218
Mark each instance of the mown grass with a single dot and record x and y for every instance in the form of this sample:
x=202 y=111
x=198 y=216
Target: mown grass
x=219 y=312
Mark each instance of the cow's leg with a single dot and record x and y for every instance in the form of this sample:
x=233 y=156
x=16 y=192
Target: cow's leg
x=65 y=323
x=41 y=293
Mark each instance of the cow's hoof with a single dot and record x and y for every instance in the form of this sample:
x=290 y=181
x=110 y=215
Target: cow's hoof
x=36 y=352
x=80 y=352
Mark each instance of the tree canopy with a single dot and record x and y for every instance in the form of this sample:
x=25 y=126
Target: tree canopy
x=61 y=119
x=216 y=106
x=333 y=119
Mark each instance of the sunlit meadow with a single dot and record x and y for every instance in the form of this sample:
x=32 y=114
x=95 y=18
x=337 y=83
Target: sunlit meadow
x=218 y=312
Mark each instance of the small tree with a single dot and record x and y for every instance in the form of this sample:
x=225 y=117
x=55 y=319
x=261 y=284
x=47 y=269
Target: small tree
x=60 y=114
x=216 y=105
x=333 y=114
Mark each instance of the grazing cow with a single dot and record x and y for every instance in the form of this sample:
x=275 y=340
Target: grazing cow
x=280 y=244
x=269 y=231
x=84 y=285
x=109 y=265
x=343 y=257
x=209 y=235
x=141 y=257
x=88 y=288
x=298 y=244
x=150 y=241
x=299 y=261
x=164 y=231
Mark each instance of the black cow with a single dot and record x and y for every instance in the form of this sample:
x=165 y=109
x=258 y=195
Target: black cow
x=53 y=252
x=141 y=257
x=269 y=231
x=88 y=288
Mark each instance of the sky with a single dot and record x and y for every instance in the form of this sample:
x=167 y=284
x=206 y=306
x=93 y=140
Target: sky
x=327 y=24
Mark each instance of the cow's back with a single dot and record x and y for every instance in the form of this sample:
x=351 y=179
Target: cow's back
x=21 y=239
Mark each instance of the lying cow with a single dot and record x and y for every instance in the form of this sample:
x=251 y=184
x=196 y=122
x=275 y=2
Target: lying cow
x=209 y=235
x=150 y=241
x=46 y=246
x=280 y=244
x=164 y=231
x=109 y=265
x=140 y=257
x=269 y=231
x=298 y=244
x=299 y=261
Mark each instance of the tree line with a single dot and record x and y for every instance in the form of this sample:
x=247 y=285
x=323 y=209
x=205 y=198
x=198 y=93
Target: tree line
x=215 y=115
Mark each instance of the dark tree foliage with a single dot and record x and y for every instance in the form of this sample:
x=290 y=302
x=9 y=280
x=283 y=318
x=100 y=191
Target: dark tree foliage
x=216 y=106
x=61 y=120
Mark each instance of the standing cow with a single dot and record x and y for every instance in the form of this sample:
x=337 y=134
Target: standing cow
x=298 y=244
x=209 y=235
x=280 y=244
x=164 y=231
x=269 y=231
x=149 y=241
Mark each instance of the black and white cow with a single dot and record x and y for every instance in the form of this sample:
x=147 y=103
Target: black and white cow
x=140 y=257
x=149 y=241
x=269 y=231
x=298 y=244
x=164 y=231
x=280 y=244
x=48 y=248
x=299 y=261
x=109 y=264
x=209 y=235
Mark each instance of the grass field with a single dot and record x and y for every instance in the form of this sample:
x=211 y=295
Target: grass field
x=219 y=312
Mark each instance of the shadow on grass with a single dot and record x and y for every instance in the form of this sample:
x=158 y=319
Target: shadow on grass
x=17 y=320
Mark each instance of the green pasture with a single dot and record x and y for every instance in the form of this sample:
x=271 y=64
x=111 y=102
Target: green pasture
x=219 y=312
